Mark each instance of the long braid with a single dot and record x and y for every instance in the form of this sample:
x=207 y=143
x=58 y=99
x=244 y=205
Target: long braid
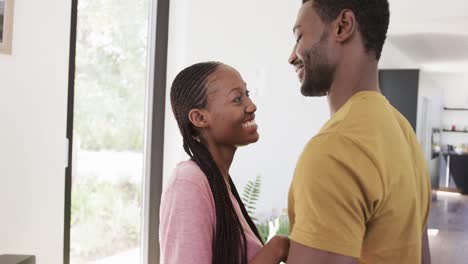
x=244 y=211
x=188 y=92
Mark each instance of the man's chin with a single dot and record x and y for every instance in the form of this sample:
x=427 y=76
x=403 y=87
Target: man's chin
x=310 y=92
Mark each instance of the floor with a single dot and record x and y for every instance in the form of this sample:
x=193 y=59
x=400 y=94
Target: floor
x=449 y=215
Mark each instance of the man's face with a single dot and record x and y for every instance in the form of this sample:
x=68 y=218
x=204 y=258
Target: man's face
x=311 y=54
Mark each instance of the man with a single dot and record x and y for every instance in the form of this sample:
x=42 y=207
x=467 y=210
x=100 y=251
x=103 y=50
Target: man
x=361 y=191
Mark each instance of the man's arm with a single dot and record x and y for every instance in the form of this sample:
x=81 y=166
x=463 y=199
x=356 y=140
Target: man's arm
x=426 y=254
x=300 y=254
x=330 y=207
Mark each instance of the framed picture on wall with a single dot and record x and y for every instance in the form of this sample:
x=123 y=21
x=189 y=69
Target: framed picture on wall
x=6 y=25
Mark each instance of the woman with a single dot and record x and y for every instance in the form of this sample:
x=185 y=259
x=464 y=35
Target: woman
x=202 y=217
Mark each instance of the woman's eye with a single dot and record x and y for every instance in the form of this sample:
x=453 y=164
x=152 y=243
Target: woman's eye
x=238 y=99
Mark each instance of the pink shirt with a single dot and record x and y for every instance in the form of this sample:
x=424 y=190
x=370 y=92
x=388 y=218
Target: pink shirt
x=187 y=218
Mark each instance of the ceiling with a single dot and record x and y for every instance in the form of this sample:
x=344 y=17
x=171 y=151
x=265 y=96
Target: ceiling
x=434 y=34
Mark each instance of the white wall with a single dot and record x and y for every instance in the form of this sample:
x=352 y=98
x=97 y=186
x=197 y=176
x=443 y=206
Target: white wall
x=177 y=60
x=427 y=16
x=33 y=100
x=394 y=58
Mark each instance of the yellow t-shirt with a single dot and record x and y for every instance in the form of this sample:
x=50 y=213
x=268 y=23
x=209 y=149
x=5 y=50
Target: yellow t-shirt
x=361 y=186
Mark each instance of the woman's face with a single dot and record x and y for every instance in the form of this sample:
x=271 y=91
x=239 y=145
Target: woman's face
x=230 y=113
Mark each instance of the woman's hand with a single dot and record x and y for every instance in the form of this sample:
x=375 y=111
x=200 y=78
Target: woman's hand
x=280 y=245
x=274 y=252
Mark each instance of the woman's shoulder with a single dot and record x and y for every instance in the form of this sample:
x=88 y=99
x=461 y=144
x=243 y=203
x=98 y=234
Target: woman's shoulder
x=188 y=175
x=189 y=171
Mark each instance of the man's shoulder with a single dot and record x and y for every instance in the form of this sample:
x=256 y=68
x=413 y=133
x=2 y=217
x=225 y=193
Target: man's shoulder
x=363 y=112
x=330 y=145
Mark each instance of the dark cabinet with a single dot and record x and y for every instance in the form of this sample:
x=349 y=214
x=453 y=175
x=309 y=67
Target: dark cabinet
x=401 y=89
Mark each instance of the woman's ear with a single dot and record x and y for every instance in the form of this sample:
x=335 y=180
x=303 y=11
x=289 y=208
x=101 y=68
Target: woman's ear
x=198 y=118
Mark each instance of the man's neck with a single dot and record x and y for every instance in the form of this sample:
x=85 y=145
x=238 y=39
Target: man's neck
x=352 y=78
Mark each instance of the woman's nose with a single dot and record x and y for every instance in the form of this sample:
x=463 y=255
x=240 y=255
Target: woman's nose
x=251 y=107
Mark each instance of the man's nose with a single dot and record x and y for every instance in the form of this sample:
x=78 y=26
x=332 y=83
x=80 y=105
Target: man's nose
x=293 y=57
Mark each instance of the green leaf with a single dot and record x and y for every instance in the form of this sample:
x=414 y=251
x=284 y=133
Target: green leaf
x=264 y=231
x=251 y=195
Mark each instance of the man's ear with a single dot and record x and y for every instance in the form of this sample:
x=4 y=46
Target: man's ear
x=345 y=25
x=198 y=118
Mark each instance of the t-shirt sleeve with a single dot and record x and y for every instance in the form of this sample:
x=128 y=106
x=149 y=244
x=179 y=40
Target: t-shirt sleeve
x=335 y=188
x=186 y=224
